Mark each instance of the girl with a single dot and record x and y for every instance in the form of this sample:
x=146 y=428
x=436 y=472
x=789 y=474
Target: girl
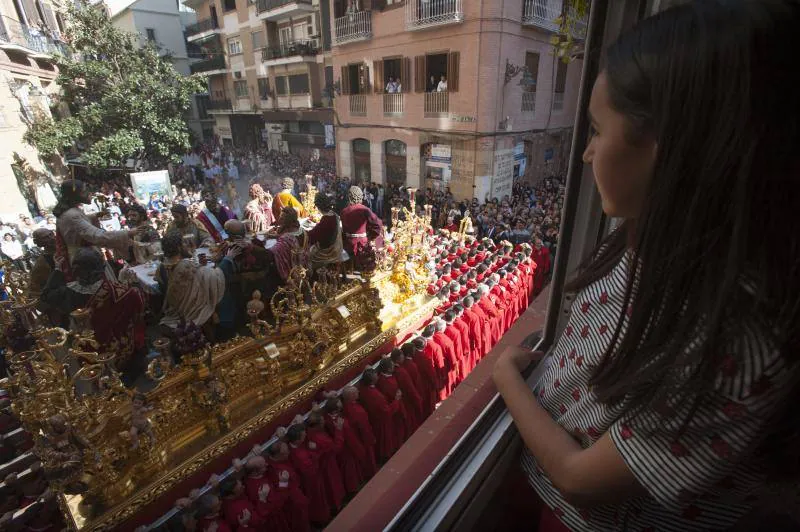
x=666 y=399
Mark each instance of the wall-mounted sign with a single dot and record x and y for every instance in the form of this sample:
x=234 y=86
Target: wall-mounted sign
x=461 y=118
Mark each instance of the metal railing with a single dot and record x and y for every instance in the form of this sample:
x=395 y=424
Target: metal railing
x=558 y=101
x=301 y=47
x=528 y=102
x=268 y=5
x=393 y=104
x=200 y=26
x=358 y=104
x=542 y=13
x=14 y=32
x=219 y=105
x=352 y=27
x=437 y=104
x=215 y=62
x=421 y=14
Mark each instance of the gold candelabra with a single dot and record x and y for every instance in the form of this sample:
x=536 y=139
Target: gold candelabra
x=308 y=199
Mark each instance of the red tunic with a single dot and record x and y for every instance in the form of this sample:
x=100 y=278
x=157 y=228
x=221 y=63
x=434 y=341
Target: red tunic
x=435 y=354
x=461 y=352
x=381 y=413
x=467 y=344
x=479 y=329
x=388 y=385
x=213 y=524
x=430 y=388
x=306 y=462
x=359 y=226
x=411 y=396
x=268 y=503
x=451 y=362
x=493 y=320
x=295 y=503
x=350 y=455
x=328 y=448
x=240 y=513
x=358 y=419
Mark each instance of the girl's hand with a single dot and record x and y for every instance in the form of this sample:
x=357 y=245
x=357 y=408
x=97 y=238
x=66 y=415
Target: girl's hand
x=516 y=359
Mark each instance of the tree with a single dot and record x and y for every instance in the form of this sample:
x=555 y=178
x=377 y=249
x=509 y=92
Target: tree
x=125 y=101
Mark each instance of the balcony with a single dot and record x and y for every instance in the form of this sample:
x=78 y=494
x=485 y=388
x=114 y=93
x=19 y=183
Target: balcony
x=219 y=105
x=201 y=29
x=528 y=102
x=437 y=104
x=291 y=52
x=211 y=66
x=558 y=101
x=426 y=14
x=393 y=105
x=358 y=105
x=17 y=36
x=352 y=27
x=304 y=138
x=542 y=13
x=278 y=9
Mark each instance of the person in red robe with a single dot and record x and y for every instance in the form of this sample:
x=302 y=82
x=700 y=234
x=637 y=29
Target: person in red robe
x=286 y=484
x=493 y=315
x=476 y=321
x=352 y=453
x=429 y=389
x=420 y=384
x=211 y=519
x=387 y=383
x=411 y=396
x=214 y=215
x=358 y=418
x=327 y=448
x=497 y=295
x=267 y=500
x=305 y=460
x=467 y=340
x=460 y=352
x=239 y=512
x=361 y=229
x=434 y=352
x=381 y=414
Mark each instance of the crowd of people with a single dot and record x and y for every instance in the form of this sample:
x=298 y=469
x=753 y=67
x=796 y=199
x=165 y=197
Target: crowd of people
x=302 y=477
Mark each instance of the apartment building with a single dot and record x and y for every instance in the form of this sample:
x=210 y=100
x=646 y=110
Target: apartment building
x=270 y=73
x=482 y=99
x=30 y=35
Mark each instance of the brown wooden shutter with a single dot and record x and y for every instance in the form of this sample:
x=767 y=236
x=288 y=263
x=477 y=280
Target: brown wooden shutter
x=51 y=18
x=367 y=79
x=379 y=76
x=405 y=81
x=345 y=80
x=31 y=13
x=419 y=74
x=453 y=60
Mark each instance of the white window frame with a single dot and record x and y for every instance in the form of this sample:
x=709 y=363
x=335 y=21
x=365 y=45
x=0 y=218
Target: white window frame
x=235 y=46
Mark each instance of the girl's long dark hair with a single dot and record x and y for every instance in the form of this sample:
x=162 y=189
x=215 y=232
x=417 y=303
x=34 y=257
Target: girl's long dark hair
x=717 y=245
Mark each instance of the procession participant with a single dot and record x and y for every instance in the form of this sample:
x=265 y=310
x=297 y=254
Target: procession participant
x=327 y=447
x=476 y=320
x=305 y=460
x=467 y=341
x=434 y=354
x=266 y=499
x=388 y=385
x=258 y=210
x=285 y=481
x=189 y=228
x=450 y=353
x=429 y=384
x=358 y=418
x=239 y=512
x=214 y=215
x=211 y=519
x=381 y=414
x=285 y=198
x=45 y=262
x=361 y=228
x=325 y=239
x=250 y=267
x=461 y=350
x=291 y=247
x=411 y=397
x=493 y=315
x=75 y=230
x=136 y=218
x=352 y=453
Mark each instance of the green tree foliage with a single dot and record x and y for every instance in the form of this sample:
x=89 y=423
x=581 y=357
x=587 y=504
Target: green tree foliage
x=125 y=101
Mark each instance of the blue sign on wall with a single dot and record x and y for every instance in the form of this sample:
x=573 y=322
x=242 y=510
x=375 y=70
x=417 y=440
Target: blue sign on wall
x=548 y=154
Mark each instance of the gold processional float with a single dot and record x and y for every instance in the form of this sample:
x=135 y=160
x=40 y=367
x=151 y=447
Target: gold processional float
x=108 y=451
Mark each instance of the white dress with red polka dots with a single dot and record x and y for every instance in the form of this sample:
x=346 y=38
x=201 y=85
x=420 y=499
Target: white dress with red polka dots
x=700 y=480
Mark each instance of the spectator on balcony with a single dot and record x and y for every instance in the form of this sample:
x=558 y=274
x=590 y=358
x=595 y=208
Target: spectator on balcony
x=398 y=86
x=442 y=86
x=391 y=86
x=432 y=84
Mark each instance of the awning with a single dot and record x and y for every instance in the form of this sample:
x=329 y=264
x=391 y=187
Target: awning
x=324 y=116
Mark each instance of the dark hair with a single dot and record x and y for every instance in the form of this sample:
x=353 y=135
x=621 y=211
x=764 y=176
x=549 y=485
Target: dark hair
x=370 y=376
x=138 y=209
x=294 y=432
x=408 y=349
x=386 y=365
x=714 y=251
x=71 y=192
x=171 y=243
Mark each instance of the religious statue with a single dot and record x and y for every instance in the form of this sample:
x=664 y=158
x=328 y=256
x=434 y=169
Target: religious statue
x=140 y=424
x=258 y=210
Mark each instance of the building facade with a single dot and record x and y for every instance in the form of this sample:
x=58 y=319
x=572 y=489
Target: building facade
x=482 y=99
x=30 y=36
x=270 y=72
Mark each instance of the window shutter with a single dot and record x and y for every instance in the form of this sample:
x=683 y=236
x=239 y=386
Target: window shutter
x=419 y=74
x=345 y=80
x=379 y=76
x=367 y=79
x=405 y=81
x=51 y=18
x=31 y=13
x=453 y=60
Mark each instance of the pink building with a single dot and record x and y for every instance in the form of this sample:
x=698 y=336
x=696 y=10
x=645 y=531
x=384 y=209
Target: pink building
x=481 y=96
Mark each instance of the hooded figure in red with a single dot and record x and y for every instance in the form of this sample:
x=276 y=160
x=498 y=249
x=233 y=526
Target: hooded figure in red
x=328 y=447
x=305 y=459
x=411 y=396
x=428 y=379
x=388 y=385
x=451 y=351
x=267 y=500
x=467 y=341
x=285 y=482
x=381 y=414
x=352 y=453
x=478 y=328
x=358 y=419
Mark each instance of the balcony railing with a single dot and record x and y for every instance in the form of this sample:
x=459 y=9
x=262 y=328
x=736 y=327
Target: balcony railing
x=303 y=48
x=437 y=104
x=421 y=14
x=558 y=101
x=528 y=102
x=219 y=105
x=216 y=62
x=352 y=27
x=268 y=5
x=14 y=32
x=201 y=26
x=358 y=104
x=393 y=104
x=542 y=13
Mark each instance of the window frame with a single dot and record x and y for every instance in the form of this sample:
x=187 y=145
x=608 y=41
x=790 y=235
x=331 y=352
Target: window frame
x=230 y=42
x=237 y=84
x=150 y=34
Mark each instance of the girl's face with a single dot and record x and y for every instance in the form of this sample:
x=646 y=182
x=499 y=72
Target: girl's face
x=622 y=170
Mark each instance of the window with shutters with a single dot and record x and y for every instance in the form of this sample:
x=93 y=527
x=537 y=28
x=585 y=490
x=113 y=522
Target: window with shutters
x=532 y=64
x=356 y=78
x=560 y=86
x=258 y=40
x=151 y=34
x=281 y=86
x=40 y=11
x=440 y=72
x=298 y=84
x=234 y=46
x=240 y=88
x=229 y=5
x=263 y=88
